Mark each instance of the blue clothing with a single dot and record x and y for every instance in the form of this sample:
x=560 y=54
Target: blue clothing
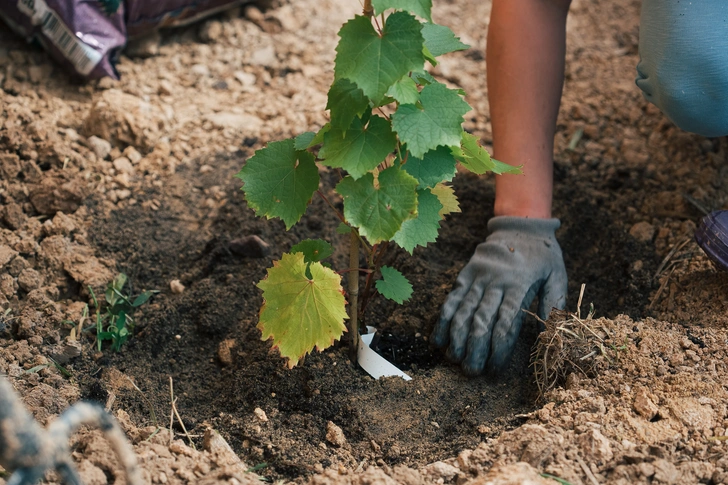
x=683 y=68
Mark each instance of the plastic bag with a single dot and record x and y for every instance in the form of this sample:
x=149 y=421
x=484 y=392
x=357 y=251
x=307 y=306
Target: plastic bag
x=86 y=36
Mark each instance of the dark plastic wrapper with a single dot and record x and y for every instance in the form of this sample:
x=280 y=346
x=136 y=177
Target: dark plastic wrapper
x=144 y=16
x=77 y=33
x=86 y=36
x=712 y=237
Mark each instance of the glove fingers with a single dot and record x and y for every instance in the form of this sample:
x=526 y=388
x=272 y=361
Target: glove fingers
x=481 y=331
x=508 y=327
x=552 y=295
x=441 y=333
x=460 y=324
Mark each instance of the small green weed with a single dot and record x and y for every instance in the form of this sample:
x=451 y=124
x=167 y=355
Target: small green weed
x=116 y=322
x=555 y=478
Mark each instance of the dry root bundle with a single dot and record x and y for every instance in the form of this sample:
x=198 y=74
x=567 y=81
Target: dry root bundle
x=571 y=344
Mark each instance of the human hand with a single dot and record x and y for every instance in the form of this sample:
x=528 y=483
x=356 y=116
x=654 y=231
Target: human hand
x=482 y=316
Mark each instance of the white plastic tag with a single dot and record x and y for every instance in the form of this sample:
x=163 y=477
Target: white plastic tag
x=376 y=365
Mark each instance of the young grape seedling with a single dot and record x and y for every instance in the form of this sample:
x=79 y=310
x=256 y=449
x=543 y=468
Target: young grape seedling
x=395 y=135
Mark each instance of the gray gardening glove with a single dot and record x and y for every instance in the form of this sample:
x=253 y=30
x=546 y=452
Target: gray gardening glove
x=482 y=316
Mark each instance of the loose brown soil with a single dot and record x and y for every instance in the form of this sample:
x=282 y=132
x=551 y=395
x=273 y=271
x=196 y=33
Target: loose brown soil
x=162 y=205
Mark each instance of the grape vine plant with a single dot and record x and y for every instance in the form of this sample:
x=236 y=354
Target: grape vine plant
x=395 y=137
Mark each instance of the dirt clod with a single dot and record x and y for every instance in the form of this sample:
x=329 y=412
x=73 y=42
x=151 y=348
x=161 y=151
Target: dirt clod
x=250 y=247
x=334 y=434
x=644 y=405
x=176 y=286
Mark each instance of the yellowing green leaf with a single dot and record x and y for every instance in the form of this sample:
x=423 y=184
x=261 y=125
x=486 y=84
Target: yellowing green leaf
x=300 y=313
x=375 y=62
x=379 y=211
x=446 y=195
x=438 y=122
x=279 y=180
x=423 y=228
x=476 y=158
x=394 y=285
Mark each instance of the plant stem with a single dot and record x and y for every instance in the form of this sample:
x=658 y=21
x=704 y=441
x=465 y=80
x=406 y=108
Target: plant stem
x=350 y=270
x=353 y=296
x=368 y=9
x=375 y=263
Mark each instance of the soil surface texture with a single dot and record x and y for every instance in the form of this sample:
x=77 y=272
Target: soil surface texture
x=136 y=176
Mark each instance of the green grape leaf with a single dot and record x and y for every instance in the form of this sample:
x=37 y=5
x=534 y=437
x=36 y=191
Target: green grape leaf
x=393 y=285
x=423 y=78
x=423 y=228
x=428 y=55
x=435 y=166
x=379 y=211
x=313 y=250
x=343 y=228
x=404 y=91
x=477 y=159
x=303 y=141
x=279 y=180
x=438 y=122
x=440 y=40
x=319 y=138
x=446 y=195
x=375 y=62
x=360 y=148
x=300 y=313
x=423 y=8
x=346 y=101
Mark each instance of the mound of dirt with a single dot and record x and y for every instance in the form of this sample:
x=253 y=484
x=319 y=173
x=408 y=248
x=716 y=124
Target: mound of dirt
x=137 y=176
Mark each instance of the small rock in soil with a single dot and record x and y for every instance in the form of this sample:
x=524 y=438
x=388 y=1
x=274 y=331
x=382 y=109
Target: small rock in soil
x=132 y=154
x=29 y=279
x=176 y=287
x=260 y=414
x=335 y=435
x=250 y=247
x=644 y=406
x=123 y=164
x=440 y=469
x=99 y=146
x=6 y=254
x=242 y=122
x=642 y=231
x=55 y=194
x=216 y=445
x=211 y=31
x=224 y=351
x=595 y=446
x=13 y=216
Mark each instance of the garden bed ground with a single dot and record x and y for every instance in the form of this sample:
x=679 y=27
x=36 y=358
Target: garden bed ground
x=629 y=193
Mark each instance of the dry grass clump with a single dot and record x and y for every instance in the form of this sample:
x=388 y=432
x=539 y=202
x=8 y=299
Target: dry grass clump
x=572 y=344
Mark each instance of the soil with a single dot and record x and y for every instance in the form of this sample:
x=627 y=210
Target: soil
x=136 y=176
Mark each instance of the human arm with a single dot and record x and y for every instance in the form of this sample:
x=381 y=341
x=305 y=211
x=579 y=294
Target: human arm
x=481 y=318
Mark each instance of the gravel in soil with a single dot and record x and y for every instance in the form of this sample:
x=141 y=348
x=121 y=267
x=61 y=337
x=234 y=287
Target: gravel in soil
x=136 y=176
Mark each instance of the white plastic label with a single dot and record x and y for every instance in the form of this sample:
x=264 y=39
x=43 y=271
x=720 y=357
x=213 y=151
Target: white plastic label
x=376 y=365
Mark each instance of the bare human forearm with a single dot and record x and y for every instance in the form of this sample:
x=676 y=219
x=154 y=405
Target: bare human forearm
x=525 y=61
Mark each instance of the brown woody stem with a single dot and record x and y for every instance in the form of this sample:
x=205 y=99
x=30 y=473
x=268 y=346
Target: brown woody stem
x=368 y=9
x=353 y=296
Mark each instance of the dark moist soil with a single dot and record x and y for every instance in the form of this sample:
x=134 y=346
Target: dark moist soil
x=431 y=418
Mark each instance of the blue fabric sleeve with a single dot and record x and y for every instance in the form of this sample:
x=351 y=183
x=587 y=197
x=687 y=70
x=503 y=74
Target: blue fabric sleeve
x=683 y=68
